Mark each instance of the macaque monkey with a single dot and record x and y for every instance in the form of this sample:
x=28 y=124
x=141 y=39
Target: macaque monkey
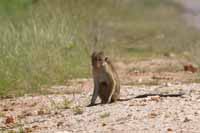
x=106 y=80
x=107 y=83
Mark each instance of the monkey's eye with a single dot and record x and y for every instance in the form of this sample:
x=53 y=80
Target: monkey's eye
x=99 y=59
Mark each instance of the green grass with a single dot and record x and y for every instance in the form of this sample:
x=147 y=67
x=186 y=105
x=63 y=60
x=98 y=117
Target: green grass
x=38 y=51
x=47 y=42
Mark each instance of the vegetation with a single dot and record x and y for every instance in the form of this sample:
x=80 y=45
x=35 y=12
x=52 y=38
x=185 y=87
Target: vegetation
x=46 y=42
x=78 y=110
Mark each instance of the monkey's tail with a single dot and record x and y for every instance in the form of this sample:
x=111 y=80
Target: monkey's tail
x=161 y=95
x=125 y=99
x=152 y=94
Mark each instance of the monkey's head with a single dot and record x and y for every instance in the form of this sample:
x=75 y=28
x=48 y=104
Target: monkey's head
x=99 y=60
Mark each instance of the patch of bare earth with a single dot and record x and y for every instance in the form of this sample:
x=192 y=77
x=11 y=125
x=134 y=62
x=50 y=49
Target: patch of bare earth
x=156 y=71
x=65 y=110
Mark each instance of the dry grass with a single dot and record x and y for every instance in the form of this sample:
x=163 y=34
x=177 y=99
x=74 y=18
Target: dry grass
x=78 y=110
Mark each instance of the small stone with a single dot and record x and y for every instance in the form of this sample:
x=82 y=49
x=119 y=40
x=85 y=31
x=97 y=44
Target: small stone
x=9 y=120
x=169 y=129
x=60 y=124
x=186 y=119
x=40 y=112
x=195 y=113
x=56 y=113
x=28 y=130
x=152 y=115
x=103 y=124
x=5 y=109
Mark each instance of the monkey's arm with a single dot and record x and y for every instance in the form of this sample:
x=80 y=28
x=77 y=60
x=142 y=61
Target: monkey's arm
x=95 y=93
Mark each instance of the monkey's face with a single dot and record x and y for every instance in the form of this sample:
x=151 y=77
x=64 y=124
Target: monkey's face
x=98 y=60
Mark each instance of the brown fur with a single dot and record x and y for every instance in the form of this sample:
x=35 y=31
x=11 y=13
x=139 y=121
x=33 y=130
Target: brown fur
x=106 y=80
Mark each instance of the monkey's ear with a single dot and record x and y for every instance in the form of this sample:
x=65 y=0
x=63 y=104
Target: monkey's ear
x=93 y=54
x=106 y=58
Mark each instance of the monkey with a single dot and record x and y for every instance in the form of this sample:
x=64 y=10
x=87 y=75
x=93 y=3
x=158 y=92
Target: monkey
x=107 y=82
x=106 y=79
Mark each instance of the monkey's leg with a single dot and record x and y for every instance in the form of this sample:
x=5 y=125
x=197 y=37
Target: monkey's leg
x=113 y=87
x=103 y=102
x=114 y=98
x=104 y=92
x=116 y=94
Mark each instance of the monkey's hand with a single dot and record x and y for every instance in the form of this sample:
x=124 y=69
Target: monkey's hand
x=91 y=104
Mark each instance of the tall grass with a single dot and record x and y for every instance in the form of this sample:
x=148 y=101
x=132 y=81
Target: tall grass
x=46 y=42
x=39 y=48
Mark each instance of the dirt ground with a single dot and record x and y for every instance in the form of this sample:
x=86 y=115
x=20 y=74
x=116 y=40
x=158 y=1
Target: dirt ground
x=65 y=109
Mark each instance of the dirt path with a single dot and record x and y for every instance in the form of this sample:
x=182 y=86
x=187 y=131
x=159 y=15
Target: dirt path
x=192 y=12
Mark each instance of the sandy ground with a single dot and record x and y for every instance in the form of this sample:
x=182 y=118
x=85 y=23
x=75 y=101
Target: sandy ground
x=65 y=110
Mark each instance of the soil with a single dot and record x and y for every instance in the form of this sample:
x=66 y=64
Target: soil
x=65 y=110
